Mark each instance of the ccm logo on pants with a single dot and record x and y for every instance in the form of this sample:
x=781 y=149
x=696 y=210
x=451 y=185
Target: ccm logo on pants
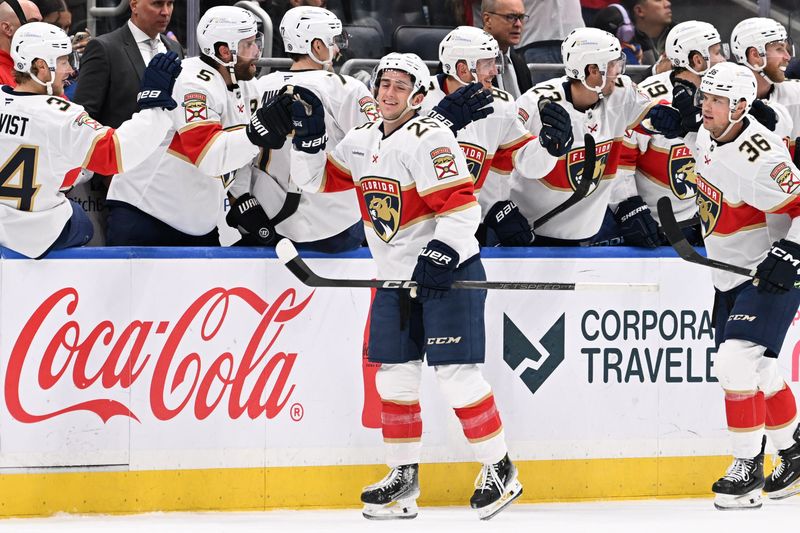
x=746 y=318
x=444 y=340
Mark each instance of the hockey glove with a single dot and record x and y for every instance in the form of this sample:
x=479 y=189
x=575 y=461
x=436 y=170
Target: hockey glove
x=637 y=224
x=683 y=100
x=511 y=227
x=272 y=122
x=435 y=270
x=778 y=272
x=308 y=119
x=666 y=121
x=464 y=105
x=764 y=114
x=247 y=215
x=556 y=133
x=158 y=80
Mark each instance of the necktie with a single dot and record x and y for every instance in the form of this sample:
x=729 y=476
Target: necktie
x=509 y=77
x=153 y=47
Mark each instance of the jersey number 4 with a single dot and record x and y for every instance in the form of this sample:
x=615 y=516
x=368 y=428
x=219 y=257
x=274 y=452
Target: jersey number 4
x=22 y=163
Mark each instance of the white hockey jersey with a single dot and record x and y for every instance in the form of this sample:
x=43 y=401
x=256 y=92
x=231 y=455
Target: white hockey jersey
x=495 y=145
x=348 y=103
x=43 y=139
x=739 y=183
x=661 y=166
x=413 y=186
x=538 y=193
x=183 y=184
x=787 y=93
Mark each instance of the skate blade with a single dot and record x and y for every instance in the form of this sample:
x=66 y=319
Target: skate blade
x=513 y=492
x=398 y=510
x=729 y=502
x=787 y=492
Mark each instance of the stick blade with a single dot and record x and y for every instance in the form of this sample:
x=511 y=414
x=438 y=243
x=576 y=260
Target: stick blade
x=286 y=251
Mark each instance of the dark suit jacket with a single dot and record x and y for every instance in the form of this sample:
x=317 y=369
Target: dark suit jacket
x=521 y=70
x=110 y=75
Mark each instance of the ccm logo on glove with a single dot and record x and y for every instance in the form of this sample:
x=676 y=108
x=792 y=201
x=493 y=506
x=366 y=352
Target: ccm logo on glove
x=780 y=253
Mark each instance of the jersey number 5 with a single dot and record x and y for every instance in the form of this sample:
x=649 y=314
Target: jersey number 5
x=22 y=163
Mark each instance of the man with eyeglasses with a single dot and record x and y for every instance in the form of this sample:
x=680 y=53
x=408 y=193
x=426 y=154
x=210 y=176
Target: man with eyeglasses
x=548 y=24
x=504 y=20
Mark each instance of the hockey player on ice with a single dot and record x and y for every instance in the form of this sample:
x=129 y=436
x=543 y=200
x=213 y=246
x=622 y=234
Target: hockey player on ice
x=744 y=173
x=496 y=144
x=415 y=164
x=44 y=137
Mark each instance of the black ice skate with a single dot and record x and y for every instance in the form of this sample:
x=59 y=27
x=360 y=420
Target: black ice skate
x=740 y=487
x=785 y=479
x=495 y=488
x=395 y=496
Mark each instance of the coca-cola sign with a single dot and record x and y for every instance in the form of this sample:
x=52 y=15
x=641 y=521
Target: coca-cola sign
x=180 y=374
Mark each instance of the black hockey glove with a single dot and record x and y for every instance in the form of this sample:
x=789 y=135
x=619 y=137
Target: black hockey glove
x=158 y=80
x=247 y=215
x=511 y=227
x=683 y=100
x=637 y=224
x=308 y=118
x=666 y=120
x=779 y=272
x=272 y=122
x=764 y=114
x=435 y=269
x=464 y=105
x=556 y=133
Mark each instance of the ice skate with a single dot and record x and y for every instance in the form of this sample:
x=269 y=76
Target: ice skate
x=740 y=487
x=495 y=488
x=785 y=478
x=393 y=497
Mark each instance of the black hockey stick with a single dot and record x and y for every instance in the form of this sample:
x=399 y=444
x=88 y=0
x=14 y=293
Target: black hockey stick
x=685 y=250
x=288 y=254
x=583 y=186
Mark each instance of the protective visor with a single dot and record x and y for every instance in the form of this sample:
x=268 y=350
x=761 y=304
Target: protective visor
x=341 y=41
x=489 y=66
x=250 y=48
x=616 y=67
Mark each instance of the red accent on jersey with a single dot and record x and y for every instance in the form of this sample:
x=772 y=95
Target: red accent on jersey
x=558 y=177
x=444 y=200
x=337 y=178
x=745 y=413
x=503 y=159
x=733 y=218
x=70 y=177
x=192 y=143
x=781 y=408
x=480 y=420
x=103 y=158
x=401 y=421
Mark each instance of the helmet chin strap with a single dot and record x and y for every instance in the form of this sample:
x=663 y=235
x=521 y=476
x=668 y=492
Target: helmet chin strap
x=318 y=61
x=731 y=122
x=598 y=90
x=47 y=84
x=230 y=65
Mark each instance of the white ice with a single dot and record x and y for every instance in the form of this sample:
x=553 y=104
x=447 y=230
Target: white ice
x=643 y=516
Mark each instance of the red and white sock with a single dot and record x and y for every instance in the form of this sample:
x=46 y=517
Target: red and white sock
x=746 y=414
x=781 y=418
x=402 y=432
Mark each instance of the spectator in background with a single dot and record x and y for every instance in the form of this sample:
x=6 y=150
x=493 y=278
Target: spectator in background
x=549 y=23
x=504 y=20
x=55 y=12
x=9 y=24
x=109 y=79
x=590 y=9
x=653 y=20
x=614 y=19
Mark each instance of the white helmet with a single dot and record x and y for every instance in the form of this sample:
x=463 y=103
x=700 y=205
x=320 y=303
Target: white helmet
x=590 y=46
x=39 y=40
x=301 y=25
x=468 y=44
x=691 y=36
x=412 y=65
x=757 y=33
x=227 y=25
x=734 y=82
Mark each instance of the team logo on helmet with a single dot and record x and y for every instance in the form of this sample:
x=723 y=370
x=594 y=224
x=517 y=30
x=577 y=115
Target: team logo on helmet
x=195 y=106
x=383 y=200
x=575 y=165
x=682 y=176
x=709 y=205
x=476 y=156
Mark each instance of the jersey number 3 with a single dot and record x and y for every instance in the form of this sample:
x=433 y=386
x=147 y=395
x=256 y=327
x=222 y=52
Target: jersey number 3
x=22 y=163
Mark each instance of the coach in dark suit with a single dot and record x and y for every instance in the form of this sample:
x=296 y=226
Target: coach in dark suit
x=503 y=20
x=112 y=64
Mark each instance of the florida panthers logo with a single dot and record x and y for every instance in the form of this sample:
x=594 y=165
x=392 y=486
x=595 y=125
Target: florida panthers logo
x=709 y=205
x=476 y=157
x=682 y=176
x=383 y=201
x=575 y=160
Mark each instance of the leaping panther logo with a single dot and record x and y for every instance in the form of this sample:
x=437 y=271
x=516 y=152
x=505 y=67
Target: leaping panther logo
x=383 y=199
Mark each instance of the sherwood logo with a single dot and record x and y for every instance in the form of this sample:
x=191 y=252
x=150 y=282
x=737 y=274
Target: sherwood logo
x=533 y=363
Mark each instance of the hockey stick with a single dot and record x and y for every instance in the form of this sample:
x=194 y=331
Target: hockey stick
x=582 y=189
x=685 y=250
x=288 y=254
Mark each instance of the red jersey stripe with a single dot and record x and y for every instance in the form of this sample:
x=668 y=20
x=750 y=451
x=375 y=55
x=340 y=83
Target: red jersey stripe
x=104 y=156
